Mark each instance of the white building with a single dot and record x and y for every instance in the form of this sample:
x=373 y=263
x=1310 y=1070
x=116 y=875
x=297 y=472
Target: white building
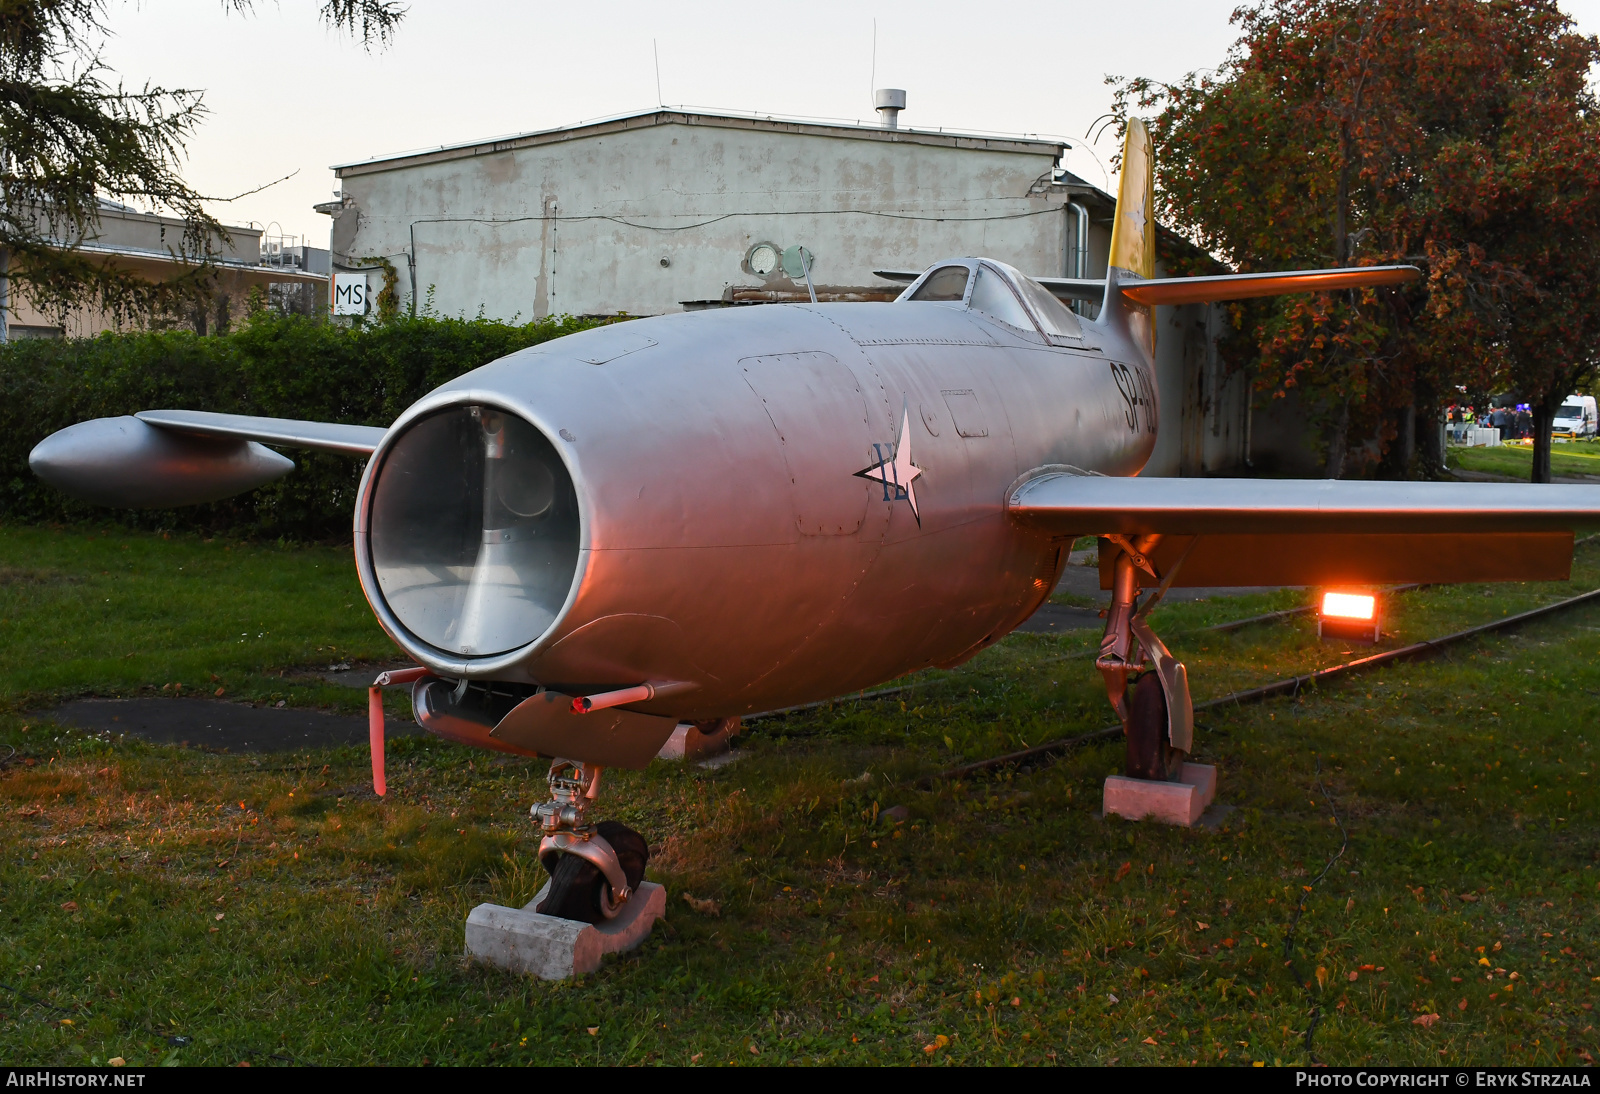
x=669 y=210
x=152 y=246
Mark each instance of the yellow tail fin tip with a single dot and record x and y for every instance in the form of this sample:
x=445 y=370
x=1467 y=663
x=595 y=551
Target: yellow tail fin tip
x=1133 y=235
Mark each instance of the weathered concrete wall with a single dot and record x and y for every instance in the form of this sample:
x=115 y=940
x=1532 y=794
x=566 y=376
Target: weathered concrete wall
x=657 y=213
x=650 y=218
x=1203 y=409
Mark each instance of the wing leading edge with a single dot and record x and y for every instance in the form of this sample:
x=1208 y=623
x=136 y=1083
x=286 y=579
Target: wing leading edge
x=360 y=440
x=1325 y=531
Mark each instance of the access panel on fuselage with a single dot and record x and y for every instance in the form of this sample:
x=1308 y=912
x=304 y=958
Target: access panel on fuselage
x=819 y=414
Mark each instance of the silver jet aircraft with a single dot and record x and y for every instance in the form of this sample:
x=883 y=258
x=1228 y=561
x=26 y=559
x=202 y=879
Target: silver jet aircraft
x=699 y=516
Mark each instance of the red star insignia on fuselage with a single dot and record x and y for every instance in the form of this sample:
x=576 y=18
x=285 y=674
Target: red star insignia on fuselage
x=894 y=468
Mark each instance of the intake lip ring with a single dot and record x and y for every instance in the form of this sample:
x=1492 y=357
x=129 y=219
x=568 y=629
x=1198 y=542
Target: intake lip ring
x=443 y=661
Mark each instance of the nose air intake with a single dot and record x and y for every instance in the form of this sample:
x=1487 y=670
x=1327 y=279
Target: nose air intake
x=474 y=531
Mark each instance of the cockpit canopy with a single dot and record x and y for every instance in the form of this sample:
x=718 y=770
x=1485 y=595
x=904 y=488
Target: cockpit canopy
x=1001 y=293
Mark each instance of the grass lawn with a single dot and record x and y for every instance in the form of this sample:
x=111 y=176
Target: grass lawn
x=171 y=905
x=1572 y=458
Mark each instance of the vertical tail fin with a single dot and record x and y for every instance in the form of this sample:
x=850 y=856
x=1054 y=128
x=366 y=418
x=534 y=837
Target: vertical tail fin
x=1133 y=237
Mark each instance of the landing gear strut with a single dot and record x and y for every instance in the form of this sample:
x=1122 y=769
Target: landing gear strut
x=1158 y=721
x=594 y=868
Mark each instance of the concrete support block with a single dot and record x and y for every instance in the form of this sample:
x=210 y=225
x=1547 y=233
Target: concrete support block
x=1179 y=802
x=689 y=743
x=522 y=940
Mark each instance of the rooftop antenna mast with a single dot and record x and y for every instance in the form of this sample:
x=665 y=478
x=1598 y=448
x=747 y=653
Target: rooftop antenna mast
x=657 y=51
x=872 y=84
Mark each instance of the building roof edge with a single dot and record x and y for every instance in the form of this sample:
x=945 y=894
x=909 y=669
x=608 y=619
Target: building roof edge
x=697 y=116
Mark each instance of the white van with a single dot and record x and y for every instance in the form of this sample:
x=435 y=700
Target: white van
x=1576 y=417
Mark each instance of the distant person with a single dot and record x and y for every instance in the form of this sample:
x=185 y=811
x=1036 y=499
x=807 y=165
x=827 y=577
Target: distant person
x=1500 y=419
x=1524 y=423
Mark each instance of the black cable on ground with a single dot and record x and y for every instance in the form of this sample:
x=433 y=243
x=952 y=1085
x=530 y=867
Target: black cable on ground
x=1300 y=907
x=36 y=1001
x=1290 y=686
x=11 y=754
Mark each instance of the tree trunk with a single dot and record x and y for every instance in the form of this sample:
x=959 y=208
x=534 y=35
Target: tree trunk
x=1338 y=443
x=1429 y=436
x=1544 y=413
x=1405 y=442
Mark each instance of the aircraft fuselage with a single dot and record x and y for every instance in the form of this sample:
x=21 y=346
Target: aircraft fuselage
x=790 y=502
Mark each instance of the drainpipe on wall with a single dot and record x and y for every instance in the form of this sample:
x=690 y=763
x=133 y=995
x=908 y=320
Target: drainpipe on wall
x=1249 y=422
x=5 y=296
x=1077 y=254
x=411 y=265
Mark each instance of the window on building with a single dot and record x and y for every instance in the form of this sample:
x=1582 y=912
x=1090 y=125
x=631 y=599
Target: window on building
x=993 y=297
x=946 y=283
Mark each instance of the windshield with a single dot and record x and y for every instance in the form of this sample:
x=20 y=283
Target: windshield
x=992 y=296
x=1054 y=316
x=1570 y=410
x=948 y=283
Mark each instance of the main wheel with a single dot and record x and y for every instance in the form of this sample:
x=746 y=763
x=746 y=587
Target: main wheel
x=578 y=890
x=1150 y=752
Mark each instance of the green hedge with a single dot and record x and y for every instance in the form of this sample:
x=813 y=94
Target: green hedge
x=281 y=367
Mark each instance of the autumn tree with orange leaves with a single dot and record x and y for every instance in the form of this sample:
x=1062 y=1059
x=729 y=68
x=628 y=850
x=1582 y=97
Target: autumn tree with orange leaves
x=1457 y=135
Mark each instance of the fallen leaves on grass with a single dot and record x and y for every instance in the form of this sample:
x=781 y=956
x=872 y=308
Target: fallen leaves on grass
x=70 y=906
x=1426 y=1021
x=1124 y=870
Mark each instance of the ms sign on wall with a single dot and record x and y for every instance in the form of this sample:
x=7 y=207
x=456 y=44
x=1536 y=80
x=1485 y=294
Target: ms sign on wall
x=349 y=294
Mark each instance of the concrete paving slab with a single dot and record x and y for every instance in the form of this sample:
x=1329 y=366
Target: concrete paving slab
x=223 y=726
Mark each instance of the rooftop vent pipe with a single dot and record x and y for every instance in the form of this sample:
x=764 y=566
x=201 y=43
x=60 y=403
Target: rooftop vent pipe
x=888 y=102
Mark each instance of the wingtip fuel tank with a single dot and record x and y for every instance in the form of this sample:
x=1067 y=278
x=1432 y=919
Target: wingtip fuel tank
x=126 y=463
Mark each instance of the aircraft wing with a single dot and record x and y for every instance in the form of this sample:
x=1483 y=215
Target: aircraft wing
x=1321 y=531
x=1204 y=290
x=359 y=440
x=1075 y=288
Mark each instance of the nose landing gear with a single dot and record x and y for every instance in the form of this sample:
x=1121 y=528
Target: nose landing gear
x=594 y=868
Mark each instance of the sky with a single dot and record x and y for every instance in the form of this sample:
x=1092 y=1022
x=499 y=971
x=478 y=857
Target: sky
x=288 y=95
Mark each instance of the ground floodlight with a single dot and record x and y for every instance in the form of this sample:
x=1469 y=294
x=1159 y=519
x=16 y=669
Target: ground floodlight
x=1349 y=616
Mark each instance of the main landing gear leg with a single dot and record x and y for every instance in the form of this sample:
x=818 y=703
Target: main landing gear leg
x=1158 y=718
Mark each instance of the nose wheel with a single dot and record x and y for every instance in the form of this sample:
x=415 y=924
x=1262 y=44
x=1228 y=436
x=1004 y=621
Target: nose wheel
x=595 y=868
x=580 y=890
